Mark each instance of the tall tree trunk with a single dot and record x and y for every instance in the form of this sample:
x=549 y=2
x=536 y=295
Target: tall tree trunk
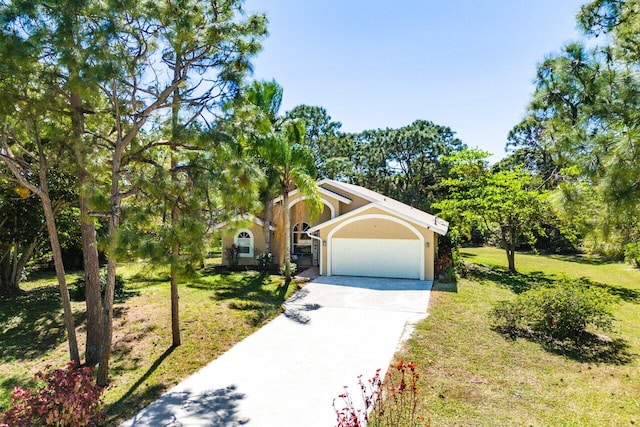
x=175 y=245
x=12 y=266
x=93 y=297
x=175 y=254
x=511 y=258
x=286 y=221
x=47 y=207
x=107 y=306
x=8 y=287
x=62 y=280
x=106 y=321
x=175 y=299
x=57 y=256
x=89 y=242
x=267 y=223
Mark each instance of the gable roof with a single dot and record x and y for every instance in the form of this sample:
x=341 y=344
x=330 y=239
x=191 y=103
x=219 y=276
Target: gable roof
x=387 y=204
x=242 y=218
x=323 y=191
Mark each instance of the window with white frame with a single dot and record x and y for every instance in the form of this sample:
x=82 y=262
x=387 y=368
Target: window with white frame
x=300 y=241
x=244 y=241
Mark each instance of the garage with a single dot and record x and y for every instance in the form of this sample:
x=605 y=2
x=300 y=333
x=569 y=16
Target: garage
x=394 y=258
x=384 y=238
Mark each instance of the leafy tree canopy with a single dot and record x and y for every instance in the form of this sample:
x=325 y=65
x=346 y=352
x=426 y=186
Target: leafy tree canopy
x=502 y=203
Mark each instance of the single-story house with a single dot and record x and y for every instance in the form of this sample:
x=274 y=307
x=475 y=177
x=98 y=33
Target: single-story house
x=359 y=233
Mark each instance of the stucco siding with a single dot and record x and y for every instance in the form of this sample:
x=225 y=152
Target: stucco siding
x=379 y=228
x=258 y=243
x=375 y=228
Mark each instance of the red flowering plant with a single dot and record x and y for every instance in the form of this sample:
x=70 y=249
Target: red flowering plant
x=444 y=267
x=392 y=403
x=69 y=397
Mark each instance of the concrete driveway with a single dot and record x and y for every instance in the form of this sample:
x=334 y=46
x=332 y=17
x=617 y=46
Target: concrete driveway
x=288 y=372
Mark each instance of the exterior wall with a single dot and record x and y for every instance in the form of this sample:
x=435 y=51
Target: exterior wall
x=258 y=243
x=357 y=202
x=380 y=228
x=390 y=230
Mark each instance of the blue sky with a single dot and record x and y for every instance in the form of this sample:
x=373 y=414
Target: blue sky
x=466 y=64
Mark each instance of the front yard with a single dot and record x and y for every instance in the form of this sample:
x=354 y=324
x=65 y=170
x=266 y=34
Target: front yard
x=217 y=311
x=473 y=376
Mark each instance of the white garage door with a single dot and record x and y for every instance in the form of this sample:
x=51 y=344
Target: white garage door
x=376 y=258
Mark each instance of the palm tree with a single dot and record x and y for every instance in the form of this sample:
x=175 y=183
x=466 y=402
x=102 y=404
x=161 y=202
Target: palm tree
x=278 y=146
x=265 y=97
x=294 y=166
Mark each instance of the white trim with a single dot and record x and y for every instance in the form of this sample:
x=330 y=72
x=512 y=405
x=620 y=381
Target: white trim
x=324 y=201
x=251 y=243
x=301 y=233
x=348 y=189
x=383 y=208
x=319 y=239
x=374 y=216
x=382 y=200
x=324 y=191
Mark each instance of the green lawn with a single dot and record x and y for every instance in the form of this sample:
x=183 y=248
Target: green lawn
x=473 y=376
x=217 y=311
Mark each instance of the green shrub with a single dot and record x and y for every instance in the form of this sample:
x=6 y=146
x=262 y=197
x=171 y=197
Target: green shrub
x=632 y=253
x=562 y=311
x=79 y=286
x=293 y=267
x=265 y=261
x=232 y=253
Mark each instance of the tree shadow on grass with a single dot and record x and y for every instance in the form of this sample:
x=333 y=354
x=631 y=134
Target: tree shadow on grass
x=132 y=399
x=626 y=294
x=588 y=348
x=517 y=282
x=579 y=259
x=445 y=286
x=32 y=324
x=522 y=282
x=253 y=292
x=140 y=281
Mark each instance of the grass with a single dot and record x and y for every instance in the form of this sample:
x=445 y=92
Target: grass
x=472 y=375
x=217 y=310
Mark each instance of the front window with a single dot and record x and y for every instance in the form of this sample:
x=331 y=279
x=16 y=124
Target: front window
x=244 y=242
x=301 y=242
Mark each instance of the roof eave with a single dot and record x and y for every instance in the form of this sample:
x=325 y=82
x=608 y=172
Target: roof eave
x=433 y=227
